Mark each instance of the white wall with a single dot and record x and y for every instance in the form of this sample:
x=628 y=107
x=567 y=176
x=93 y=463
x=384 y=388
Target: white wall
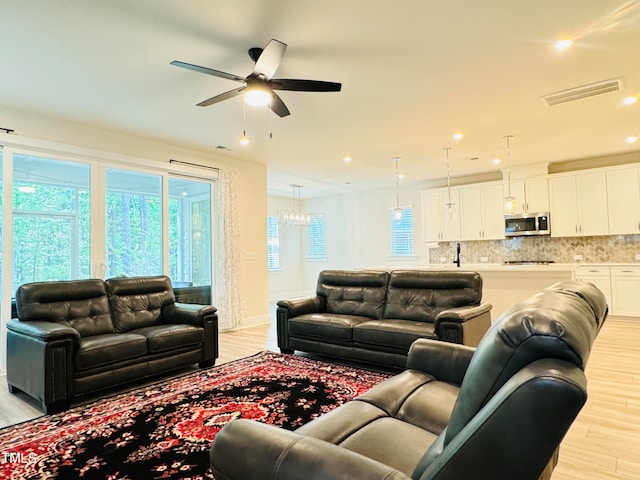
x=357 y=236
x=252 y=190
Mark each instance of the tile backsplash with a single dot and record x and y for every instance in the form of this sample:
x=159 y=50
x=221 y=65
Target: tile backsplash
x=601 y=249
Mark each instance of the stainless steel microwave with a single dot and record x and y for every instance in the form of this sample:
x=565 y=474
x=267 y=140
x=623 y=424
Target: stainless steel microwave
x=527 y=224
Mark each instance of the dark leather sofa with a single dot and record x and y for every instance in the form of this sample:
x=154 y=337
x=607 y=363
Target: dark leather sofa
x=77 y=337
x=375 y=316
x=498 y=411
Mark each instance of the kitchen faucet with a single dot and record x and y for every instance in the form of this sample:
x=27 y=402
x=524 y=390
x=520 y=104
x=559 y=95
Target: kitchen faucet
x=457 y=260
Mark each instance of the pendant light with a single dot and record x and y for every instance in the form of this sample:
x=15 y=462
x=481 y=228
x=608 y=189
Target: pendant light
x=397 y=212
x=509 y=200
x=451 y=213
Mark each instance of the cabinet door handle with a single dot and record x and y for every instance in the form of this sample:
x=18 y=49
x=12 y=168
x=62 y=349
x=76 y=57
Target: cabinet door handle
x=626 y=271
x=576 y=228
x=527 y=205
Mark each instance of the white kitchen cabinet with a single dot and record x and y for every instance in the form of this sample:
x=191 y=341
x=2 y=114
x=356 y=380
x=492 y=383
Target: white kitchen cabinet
x=625 y=288
x=482 y=212
x=437 y=226
x=531 y=195
x=600 y=276
x=623 y=200
x=578 y=205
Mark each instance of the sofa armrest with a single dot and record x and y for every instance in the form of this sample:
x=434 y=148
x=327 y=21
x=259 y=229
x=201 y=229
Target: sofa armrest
x=280 y=454
x=302 y=306
x=463 y=314
x=43 y=330
x=188 y=313
x=466 y=325
x=442 y=360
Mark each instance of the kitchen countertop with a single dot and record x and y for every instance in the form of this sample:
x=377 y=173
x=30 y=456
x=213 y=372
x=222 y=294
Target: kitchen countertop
x=500 y=267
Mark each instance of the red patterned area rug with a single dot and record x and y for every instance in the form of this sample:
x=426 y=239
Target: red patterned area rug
x=164 y=430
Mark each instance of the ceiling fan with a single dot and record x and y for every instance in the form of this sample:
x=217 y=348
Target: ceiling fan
x=260 y=79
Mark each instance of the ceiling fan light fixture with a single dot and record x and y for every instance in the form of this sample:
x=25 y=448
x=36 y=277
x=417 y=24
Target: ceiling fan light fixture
x=257 y=97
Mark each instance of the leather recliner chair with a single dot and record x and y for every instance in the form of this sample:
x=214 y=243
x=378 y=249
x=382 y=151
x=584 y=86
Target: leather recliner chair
x=496 y=411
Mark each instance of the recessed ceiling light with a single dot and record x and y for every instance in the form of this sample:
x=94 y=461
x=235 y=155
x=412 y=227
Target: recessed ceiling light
x=457 y=136
x=496 y=161
x=632 y=139
x=563 y=44
x=401 y=176
x=630 y=100
x=346 y=159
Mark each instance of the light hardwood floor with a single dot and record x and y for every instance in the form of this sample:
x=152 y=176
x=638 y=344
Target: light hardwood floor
x=602 y=444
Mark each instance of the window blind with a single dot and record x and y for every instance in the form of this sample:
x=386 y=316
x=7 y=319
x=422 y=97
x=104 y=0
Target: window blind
x=273 y=244
x=316 y=246
x=401 y=232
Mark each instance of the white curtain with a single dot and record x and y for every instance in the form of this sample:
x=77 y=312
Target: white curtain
x=227 y=284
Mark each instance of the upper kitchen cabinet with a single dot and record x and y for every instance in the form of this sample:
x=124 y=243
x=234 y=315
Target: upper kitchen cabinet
x=578 y=205
x=437 y=224
x=531 y=195
x=482 y=212
x=623 y=194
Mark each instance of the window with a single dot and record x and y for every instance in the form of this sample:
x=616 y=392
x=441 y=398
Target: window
x=273 y=244
x=401 y=233
x=133 y=223
x=315 y=238
x=51 y=220
x=189 y=232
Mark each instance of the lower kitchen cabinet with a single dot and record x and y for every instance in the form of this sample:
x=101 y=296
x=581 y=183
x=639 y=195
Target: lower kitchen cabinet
x=600 y=276
x=625 y=289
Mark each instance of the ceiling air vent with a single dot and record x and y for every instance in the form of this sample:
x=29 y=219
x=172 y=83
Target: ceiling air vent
x=577 y=93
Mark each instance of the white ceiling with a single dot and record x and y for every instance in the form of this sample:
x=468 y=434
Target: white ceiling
x=413 y=73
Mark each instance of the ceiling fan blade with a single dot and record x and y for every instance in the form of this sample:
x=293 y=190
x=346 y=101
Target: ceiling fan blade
x=208 y=71
x=221 y=97
x=270 y=58
x=304 y=85
x=278 y=107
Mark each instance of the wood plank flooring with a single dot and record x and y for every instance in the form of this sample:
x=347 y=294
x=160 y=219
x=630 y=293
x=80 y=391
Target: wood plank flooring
x=602 y=444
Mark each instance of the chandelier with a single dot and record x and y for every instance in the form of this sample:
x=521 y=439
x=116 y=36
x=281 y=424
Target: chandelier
x=295 y=216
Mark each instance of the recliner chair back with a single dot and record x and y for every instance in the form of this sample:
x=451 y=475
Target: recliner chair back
x=510 y=381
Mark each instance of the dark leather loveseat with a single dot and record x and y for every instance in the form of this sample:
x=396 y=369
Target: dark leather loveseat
x=375 y=316
x=77 y=337
x=498 y=411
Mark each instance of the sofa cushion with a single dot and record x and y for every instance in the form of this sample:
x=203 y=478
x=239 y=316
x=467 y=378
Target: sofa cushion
x=360 y=293
x=137 y=302
x=166 y=337
x=392 y=333
x=100 y=350
x=79 y=304
x=325 y=325
x=422 y=295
